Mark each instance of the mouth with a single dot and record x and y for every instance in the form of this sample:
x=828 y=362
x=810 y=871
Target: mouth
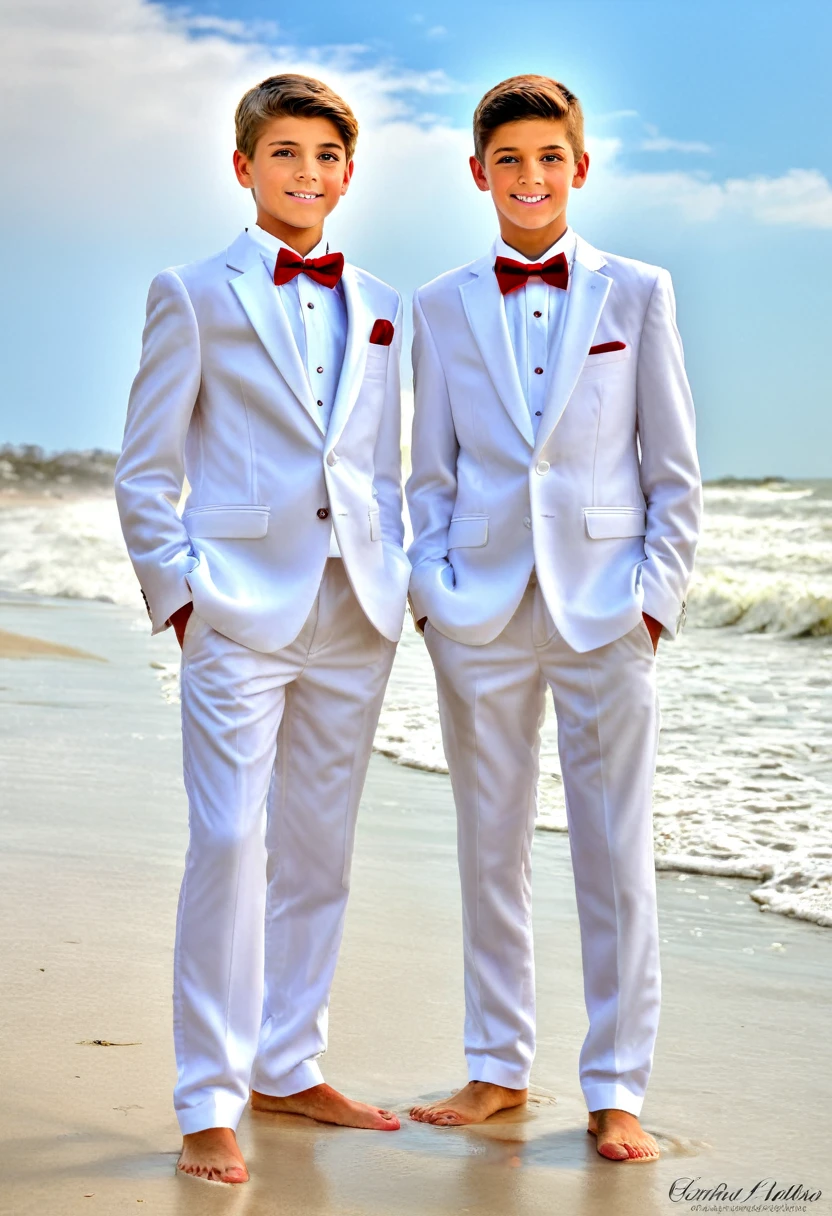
x=531 y=200
x=304 y=196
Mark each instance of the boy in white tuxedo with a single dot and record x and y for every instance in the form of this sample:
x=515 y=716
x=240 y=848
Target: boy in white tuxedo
x=555 y=501
x=270 y=379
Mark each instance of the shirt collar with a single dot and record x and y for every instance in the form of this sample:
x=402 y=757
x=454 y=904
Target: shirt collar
x=565 y=245
x=272 y=245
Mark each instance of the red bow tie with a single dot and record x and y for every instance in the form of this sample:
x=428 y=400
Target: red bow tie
x=326 y=270
x=511 y=274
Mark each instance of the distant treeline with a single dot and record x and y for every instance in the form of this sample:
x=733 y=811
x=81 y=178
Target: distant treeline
x=28 y=465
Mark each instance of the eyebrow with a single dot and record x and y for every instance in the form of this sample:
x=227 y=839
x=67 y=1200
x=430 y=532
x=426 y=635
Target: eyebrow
x=293 y=143
x=545 y=148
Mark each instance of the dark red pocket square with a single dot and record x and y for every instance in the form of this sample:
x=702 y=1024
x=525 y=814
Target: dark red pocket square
x=382 y=333
x=604 y=348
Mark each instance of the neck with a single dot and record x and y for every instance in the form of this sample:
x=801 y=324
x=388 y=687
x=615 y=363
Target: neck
x=302 y=240
x=532 y=242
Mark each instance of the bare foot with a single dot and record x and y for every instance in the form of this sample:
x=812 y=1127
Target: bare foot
x=474 y=1103
x=213 y=1155
x=326 y=1105
x=621 y=1137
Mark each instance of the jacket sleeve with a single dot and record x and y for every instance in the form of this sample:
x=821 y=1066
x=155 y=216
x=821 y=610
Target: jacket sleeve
x=670 y=478
x=387 y=477
x=432 y=486
x=151 y=469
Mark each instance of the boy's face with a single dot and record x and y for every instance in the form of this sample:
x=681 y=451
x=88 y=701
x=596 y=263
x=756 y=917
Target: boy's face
x=298 y=173
x=529 y=168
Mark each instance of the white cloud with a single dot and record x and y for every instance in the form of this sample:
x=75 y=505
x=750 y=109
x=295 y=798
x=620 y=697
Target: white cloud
x=660 y=143
x=801 y=197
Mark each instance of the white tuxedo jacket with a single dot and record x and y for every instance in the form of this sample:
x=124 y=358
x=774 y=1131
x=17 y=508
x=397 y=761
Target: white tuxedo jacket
x=222 y=397
x=605 y=504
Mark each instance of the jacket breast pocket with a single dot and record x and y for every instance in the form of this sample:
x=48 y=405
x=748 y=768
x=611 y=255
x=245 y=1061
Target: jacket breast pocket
x=377 y=359
x=611 y=523
x=604 y=364
x=468 y=531
x=227 y=523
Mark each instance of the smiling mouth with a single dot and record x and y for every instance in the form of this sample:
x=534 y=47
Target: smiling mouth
x=530 y=200
x=303 y=196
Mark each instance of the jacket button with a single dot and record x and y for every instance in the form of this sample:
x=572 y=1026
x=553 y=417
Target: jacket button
x=332 y=459
x=323 y=512
x=527 y=521
x=538 y=371
x=542 y=467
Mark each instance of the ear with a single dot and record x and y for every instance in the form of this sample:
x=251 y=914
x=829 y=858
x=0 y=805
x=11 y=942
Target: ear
x=581 y=171
x=345 y=184
x=478 y=174
x=242 y=167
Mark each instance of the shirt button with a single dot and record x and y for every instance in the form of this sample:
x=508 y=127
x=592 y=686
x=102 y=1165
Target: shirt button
x=537 y=312
x=310 y=305
x=527 y=522
x=542 y=467
x=319 y=370
x=323 y=512
x=538 y=371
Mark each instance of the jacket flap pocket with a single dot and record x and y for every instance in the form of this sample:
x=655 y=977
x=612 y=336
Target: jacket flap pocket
x=375 y=523
x=606 y=523
x=468 y=531
x=227 y=523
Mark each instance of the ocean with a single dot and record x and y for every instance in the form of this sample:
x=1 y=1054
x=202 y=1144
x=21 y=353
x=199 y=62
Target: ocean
x=744 y=780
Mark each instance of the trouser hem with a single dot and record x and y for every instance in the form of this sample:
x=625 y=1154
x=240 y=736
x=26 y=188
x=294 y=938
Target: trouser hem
x=496 y=1072
x=222 y=1110
x=302 y=1077
x=612 y=1096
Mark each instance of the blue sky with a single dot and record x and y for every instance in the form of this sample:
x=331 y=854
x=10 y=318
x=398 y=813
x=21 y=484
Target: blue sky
x=707 y=126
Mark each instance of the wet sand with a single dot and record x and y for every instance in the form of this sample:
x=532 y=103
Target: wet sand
x=94 y=833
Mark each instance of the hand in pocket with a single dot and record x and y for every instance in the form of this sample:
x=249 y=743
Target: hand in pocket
x=179 y=620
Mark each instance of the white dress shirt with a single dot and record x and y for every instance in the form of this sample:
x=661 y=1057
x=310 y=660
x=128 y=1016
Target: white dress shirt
x=317 y=316
x=535 y=315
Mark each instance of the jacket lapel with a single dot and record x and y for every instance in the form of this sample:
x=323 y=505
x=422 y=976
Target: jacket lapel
x=359 y=324
x=255 y=290
x=588 y=291
x=486 y=315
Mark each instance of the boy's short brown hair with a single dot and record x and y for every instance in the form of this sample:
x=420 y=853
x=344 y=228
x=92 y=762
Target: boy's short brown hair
x=528 y=97
x=300 y=96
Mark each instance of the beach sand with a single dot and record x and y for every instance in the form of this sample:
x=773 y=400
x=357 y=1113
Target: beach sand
x=94 y=824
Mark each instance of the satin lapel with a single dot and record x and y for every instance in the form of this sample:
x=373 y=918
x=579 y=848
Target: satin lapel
x=359 y=324
x=483 y=306
x=264 y=308
x=587 y=295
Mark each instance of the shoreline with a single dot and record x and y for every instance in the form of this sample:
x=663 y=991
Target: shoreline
x=766 y=886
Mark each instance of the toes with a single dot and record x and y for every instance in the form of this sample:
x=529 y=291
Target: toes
x=613 y=1152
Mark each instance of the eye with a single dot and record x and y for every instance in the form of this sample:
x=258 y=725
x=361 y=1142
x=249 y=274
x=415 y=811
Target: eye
x=330 y=156
x=507 y=160
x=283 y=152
x=552 y=156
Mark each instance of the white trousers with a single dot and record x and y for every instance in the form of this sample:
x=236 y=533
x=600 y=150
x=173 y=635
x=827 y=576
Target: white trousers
x=491 y=701
x=276 y=748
